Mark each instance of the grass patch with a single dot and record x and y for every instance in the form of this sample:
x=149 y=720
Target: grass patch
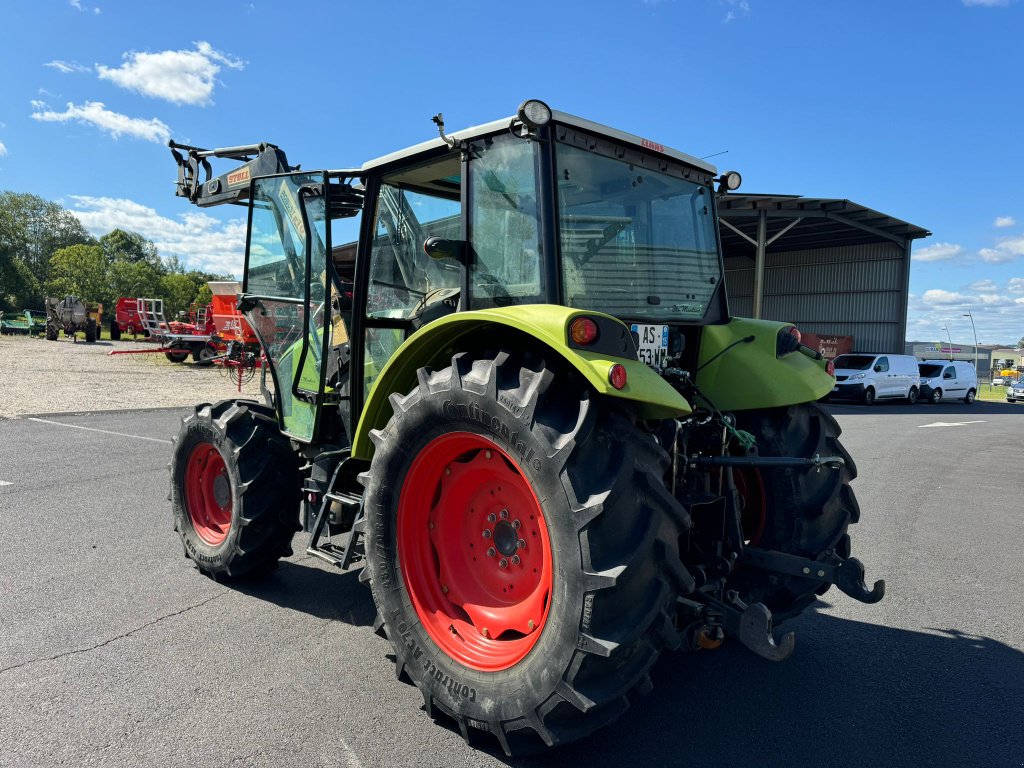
x=991 y=394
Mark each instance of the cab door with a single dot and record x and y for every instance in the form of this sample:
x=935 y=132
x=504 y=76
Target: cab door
x=287 y=290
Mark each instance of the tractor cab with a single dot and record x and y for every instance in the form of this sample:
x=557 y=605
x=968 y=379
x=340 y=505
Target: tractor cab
x=542 y=208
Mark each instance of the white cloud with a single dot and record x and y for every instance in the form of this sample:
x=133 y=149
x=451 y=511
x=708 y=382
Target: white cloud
x=939 y=296
x=737 y=9
x=181 y=77
x=987 y=3
x=200 y=240
x=3 y=149
x=983 y=285
x=1004 y=221
x=66 y=67
x=937 y=252
x=114 y=123
x=996 y=255
x=77 y=5
x=1016 y=285
x=37 y=104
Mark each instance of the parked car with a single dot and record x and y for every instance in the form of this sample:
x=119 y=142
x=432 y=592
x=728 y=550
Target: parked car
x=1015 y=391
x=998 y=381
x=949 y=380
x=869 y=377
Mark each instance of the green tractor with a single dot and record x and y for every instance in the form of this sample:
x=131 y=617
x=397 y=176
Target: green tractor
x=506 y=382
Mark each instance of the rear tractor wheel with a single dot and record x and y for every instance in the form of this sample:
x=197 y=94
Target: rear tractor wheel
x=522 y=549
x=51 y=332
x=115 y=331
x=803 y=513
x=90 y=331
x=235 y=489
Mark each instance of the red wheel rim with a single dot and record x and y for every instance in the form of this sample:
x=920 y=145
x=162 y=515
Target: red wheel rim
x=208 y=493
x=474 y=551
x=753 y=505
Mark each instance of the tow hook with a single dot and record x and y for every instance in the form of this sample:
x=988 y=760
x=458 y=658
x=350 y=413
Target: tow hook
x=751 y=624
x=846 y=574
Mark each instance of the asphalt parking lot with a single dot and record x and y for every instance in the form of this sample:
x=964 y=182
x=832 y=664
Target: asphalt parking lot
x=115 y=652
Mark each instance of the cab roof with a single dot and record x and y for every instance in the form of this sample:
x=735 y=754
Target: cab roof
x=556 y=117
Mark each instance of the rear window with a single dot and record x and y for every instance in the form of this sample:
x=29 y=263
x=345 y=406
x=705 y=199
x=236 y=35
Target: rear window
x=930 y=371
x=854 y=362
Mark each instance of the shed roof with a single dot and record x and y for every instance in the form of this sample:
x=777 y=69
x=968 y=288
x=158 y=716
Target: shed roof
x=824 y=222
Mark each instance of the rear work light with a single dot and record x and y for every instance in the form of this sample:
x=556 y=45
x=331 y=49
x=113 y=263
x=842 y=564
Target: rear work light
x=617 y=376
x=583 y=331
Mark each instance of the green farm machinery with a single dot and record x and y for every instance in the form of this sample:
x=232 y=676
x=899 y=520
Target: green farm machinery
x=506 y=384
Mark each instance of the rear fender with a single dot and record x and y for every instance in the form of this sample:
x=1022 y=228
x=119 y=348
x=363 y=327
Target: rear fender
x=750 y=375
x=434 y=344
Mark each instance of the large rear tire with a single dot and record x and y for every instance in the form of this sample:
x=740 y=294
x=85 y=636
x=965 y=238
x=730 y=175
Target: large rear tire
x=235 y=489
x=51 y=332
x=177 y=355
x=800 y=512
x=541 y=651
x=90 y=331
x=115 y=331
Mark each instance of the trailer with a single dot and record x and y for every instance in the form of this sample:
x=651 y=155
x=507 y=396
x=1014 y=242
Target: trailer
x=26 y=321
x=177 y=339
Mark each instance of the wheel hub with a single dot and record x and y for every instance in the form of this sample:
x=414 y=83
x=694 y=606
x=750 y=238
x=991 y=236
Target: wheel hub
x=208 y=493
x=473 y=546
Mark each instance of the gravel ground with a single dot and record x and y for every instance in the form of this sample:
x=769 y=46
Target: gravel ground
x=39 y=376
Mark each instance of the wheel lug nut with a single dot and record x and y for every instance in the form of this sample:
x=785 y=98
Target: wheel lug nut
x=444 y=589
x=530 y=624
x=491 y=552
x=504 y=514
x=516 y=525
x=521 y=543
x=447 y=470
x=515 y=560
x=503 y=563
x=491 y=518
x=485 y=632
x=487 y=455
x=487 y=533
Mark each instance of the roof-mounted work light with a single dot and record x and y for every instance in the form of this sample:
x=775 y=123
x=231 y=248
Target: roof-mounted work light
x=729 y=182
x=534 y=113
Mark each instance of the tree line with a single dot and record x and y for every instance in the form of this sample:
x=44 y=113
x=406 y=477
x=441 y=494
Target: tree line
x=45 y=251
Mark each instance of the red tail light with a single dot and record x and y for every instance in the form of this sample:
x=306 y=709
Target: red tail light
x=617 y=376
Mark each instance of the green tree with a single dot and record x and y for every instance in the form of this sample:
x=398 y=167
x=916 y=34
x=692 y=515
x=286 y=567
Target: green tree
x=32 y=230
x=179 y=291
x=204 y=295
x=18 y=286
x=79 y=270
x=133 y=280
x=122 y=246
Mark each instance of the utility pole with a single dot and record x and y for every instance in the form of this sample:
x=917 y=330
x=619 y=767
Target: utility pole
x=946 y=329
x=975 y=341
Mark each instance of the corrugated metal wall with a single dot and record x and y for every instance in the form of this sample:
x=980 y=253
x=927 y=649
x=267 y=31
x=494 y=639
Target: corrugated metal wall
x=852 y=290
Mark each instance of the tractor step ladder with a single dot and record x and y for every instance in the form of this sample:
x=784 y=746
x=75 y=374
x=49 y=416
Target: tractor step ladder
x=340 y=555
x=151 y=313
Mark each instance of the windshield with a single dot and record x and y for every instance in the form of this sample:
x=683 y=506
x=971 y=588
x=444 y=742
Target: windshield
x=930 y=371
x=854 y=362
x=635 y=242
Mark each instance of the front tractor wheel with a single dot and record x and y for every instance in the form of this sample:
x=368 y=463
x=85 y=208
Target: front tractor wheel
x=522 y=549
x=234 y=489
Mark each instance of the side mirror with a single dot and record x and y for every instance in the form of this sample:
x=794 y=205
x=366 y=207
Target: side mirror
x=878 y=369
x=440 y=248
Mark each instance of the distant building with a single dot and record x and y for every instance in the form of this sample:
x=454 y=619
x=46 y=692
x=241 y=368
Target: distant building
x=991 y=357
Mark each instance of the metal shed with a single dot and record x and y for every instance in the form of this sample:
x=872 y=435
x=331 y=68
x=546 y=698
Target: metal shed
x=832 y=267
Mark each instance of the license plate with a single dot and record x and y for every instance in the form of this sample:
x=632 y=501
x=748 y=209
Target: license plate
x=652 y=343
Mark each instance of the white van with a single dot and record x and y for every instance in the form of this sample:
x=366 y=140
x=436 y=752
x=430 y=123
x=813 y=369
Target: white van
x=868 y=377
x=948 y=380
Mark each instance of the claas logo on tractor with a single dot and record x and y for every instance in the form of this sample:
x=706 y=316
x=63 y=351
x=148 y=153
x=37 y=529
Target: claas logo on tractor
x=516 y=401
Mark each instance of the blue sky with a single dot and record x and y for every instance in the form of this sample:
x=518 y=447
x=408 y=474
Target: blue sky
x=912 y=108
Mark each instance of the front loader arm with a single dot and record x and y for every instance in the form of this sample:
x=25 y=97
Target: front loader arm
x=232 y=187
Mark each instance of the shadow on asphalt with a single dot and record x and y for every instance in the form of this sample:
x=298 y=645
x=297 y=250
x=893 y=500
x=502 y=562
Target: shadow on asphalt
x=853 y=694
x=320 y=593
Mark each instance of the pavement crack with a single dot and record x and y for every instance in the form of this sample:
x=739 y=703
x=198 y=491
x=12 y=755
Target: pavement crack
x=129 y=633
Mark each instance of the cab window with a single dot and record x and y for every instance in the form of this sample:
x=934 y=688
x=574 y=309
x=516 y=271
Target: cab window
x=882 y=365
